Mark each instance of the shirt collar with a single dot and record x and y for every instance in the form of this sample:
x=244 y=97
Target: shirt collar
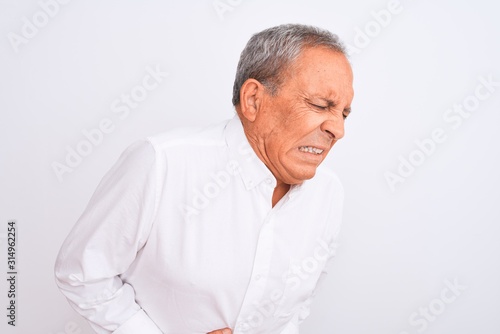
x=252 y=170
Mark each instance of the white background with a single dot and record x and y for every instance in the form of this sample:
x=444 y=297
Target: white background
x=398 y=246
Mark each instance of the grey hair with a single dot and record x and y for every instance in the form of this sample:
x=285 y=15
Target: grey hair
x=269 y=54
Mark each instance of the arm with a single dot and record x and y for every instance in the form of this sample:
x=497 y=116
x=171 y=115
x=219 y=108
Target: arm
x=104 y=242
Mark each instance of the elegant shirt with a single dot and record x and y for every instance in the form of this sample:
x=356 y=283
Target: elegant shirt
x=180 y=236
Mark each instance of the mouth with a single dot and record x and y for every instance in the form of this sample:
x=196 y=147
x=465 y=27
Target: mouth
x=311 y=149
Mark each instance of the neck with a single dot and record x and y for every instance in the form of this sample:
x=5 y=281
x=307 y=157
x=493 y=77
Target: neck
x=279 y=192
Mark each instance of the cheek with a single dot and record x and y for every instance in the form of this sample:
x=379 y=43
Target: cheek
x=302 y=126
x=291 y=123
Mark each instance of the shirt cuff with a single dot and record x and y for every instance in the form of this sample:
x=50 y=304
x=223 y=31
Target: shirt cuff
x=139 y=323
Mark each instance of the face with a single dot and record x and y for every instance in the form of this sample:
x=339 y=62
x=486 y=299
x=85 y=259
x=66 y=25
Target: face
x=295 y=129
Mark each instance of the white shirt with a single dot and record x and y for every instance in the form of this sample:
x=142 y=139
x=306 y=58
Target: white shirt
x=180 y=237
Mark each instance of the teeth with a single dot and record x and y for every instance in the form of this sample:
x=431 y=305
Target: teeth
x=310 y=149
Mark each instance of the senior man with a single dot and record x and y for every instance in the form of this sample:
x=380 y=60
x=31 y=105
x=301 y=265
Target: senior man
x=225 y=229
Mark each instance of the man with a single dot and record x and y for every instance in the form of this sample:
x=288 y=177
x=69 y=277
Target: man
x=226 y=229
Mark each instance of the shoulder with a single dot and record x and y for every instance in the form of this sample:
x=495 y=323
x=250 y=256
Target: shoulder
x=176 y=143
x=192 y=137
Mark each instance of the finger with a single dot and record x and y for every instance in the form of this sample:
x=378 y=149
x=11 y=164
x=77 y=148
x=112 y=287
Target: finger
x=222 y=331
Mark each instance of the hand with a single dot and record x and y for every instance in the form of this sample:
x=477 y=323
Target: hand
x=222 y=331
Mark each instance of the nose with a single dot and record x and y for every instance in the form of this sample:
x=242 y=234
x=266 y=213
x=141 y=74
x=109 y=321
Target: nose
x=334 y=128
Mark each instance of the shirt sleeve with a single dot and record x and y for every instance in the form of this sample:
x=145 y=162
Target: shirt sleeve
x=104 y=242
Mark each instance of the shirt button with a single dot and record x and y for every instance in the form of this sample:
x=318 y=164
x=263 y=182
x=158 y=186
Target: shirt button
x=258 y=277
x=269 y=181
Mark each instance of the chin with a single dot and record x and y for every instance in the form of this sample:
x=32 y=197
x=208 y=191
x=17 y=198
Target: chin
x=297 y=171
x=304 y=175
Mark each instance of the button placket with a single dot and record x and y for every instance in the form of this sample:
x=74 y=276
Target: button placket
x=260 y=272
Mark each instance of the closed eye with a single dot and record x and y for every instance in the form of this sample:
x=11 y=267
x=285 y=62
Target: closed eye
x=330 y=105
x=346 y=112
x=319 y=107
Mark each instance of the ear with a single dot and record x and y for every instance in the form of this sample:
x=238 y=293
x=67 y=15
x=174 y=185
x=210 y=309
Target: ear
x=251 y=94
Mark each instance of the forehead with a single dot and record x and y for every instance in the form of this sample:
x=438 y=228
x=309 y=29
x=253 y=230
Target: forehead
x=322 y=71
